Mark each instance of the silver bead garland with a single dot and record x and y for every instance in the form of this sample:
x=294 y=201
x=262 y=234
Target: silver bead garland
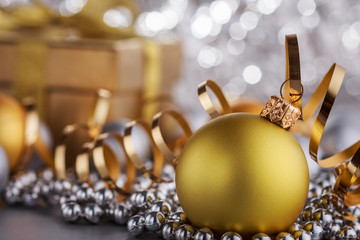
x=158 y=210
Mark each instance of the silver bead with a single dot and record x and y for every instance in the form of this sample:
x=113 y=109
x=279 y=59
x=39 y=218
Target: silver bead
x=184 y=232
x=46 y=188
x=162 y=206
x=62 y=186
x=12 y=194
x=323 y=216
x=93 y=212
x=154 y=220
x=356 y=212
x=307 y=213
x=315 y=202
x=168 y=230
x=67 y=199
x=302 y=235
x=28 y=178
x=75 y=187
x=46 y=175
x=135 y=225
x=284 y=236
x=104 y=196
x=346 y=233
x=120 y=214
x=332 y=231
x=84 y=194
x=179 y=217
x=315 y=229
x=204 y=234
x=71 y=211
x=142 y=199
x=30 y=199
x=261 y=236
x=294 y=228
x=231 y=236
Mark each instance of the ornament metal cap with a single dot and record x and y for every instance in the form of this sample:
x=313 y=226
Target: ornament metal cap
x=281 y=112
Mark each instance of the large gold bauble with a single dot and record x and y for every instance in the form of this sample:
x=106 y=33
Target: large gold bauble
x=242 y=173
x=12 y=129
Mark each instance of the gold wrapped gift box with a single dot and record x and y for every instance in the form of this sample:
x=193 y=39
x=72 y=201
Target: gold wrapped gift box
x=64 y=76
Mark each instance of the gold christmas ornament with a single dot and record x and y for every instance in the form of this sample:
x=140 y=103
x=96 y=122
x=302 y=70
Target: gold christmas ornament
x=12 y=129
x=244 y=172
x=240 y=172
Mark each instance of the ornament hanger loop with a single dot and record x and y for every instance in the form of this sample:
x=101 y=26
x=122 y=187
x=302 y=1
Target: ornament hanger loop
x=299 y=95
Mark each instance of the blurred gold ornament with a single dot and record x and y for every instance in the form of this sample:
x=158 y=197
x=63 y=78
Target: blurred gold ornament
x=240 y=172
x=12 y=129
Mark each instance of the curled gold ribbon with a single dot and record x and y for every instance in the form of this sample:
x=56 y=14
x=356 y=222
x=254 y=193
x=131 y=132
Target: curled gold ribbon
x=206 y=102
x=92 y=128
x=60 y=150
x=293 y=86
x=109 y=167
x=158 y=159
x=169 y=155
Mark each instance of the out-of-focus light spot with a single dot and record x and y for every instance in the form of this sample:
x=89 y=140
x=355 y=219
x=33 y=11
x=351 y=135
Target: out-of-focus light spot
x=352 y=86
x=119 y=17
x=249 y=20
x=209 y=57
x=216 y=29
x=234 y=4
x=267 y=6
x=236 y=47
x=237 y=31
x=155 y=21
x=311 y=21
x=220 y=11
x=306 y=7
x=283 y=32
x=4 y=3
x=308 y=72
x=252 y=74
x=351 y=39
x=201 y=26
x=234 y=89
x=171 y=18
x=141 y=27
x=71 y=7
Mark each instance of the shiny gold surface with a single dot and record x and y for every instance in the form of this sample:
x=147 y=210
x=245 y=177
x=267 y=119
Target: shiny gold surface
x=243 y=173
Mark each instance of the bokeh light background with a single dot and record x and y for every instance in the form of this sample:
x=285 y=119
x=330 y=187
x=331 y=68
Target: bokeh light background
x=240 y=45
